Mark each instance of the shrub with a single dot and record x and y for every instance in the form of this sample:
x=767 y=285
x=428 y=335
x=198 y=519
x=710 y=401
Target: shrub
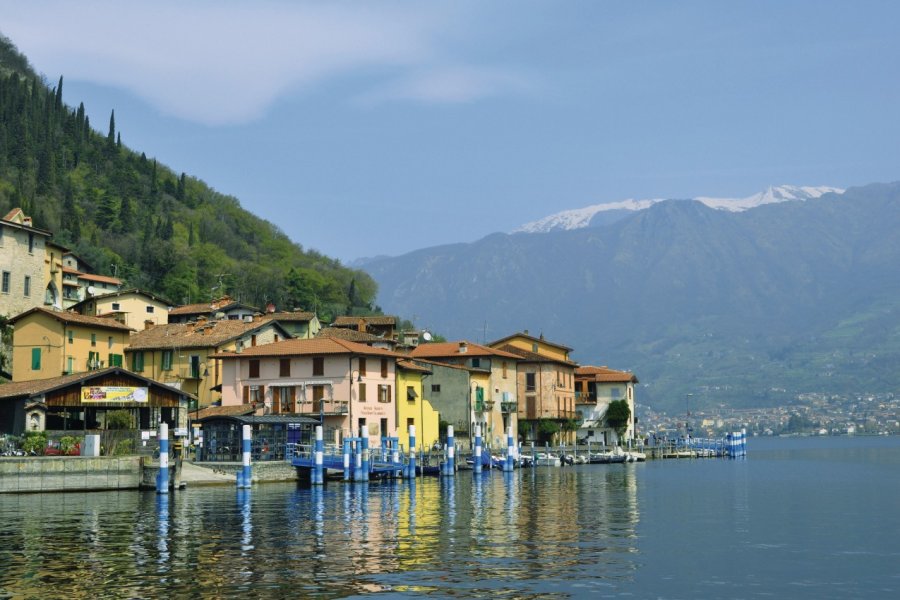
x=35 y=442
x=118 y=419
x=67 y=444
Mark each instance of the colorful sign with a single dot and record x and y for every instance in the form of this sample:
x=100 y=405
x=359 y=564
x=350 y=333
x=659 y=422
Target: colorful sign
x=114 y=394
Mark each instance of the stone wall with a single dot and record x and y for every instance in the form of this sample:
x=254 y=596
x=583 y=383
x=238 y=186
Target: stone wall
x=69 y=473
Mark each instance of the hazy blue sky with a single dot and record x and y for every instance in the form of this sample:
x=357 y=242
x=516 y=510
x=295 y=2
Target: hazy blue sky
x=379 y=128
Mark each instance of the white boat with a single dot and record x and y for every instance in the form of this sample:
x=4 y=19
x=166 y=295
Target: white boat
x=635 y=456
x=547 y=459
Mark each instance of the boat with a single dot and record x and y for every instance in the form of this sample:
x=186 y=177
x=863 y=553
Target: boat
x=547 y=459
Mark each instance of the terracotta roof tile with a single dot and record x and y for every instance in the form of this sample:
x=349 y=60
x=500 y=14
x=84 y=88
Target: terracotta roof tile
x=234 y=410
x=350 y=335
x=452 y=349
x=525 y=355
x=193 y=335
x=345 y=321
x=605 y=374
x=315 y=346
x=409 y=365
x=100 y=278
x=541 y=339
x=34 y=387
x=296 y=315
x=74 y=318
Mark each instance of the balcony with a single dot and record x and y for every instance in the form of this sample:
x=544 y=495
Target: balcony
x=326 y=407
x=189 y=373
x=509 y=407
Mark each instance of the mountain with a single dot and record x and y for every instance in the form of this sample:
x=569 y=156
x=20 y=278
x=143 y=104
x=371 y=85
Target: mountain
x=143 y=222
x=742 y=308
x=609 y=212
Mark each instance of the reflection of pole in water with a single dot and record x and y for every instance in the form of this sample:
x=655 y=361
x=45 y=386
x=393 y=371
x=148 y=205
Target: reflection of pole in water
x=318 y=502
x=243 y=501
x=162 y=542
x=450 y=491
x=412 y=506
x=511 y=499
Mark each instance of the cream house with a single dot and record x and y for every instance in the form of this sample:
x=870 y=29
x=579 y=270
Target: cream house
x=134 y=307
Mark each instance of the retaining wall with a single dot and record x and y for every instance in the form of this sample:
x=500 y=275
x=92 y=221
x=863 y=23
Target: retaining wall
x=69 y=473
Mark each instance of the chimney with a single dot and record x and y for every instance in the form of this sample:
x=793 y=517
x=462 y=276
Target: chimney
x=526 y=332
x=463 y=347
x=148 y=324
x=26 y=221
x=270 y=307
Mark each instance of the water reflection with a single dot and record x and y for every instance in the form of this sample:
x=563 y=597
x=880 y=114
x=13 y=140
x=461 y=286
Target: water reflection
x=526 y=534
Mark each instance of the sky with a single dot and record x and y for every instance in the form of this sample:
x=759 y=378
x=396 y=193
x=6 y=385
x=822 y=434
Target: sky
x=363 y=129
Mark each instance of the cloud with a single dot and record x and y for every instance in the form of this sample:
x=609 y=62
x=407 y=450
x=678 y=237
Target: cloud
x=225 y=62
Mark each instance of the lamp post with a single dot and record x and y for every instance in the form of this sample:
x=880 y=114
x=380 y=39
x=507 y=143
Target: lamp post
x=687 y=415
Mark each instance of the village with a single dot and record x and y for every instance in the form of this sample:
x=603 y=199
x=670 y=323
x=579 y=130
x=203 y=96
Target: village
x=89 y=356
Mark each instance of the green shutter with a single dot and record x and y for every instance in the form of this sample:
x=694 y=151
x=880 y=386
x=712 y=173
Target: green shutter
x=35 y=359
x=167 y=360
x=137 y=362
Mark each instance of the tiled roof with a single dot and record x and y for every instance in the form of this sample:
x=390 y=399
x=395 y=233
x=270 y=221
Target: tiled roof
x=437 y=363
x=227 y=411
x=351 y=335
x=207 y=308
x=409 y=365
x=121 y=293
x=297 y=315
x=40 y=386
x=605 y=374
x=315 y=346
x=500 y=342
x=452 y=349
x=345 y=321
x=535 y=357
x=193 y=335
x=74 y=318
x=100 y=278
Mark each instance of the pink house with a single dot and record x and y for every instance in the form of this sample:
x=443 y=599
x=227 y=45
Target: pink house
x=348 y=385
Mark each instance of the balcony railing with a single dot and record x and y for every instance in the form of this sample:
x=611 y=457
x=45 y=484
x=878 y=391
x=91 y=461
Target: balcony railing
x=585 y=398
x=328 y=407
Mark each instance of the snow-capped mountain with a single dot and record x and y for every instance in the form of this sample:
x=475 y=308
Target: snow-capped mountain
x=578 y=218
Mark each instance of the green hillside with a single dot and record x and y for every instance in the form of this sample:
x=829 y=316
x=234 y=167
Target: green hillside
x=149 y=225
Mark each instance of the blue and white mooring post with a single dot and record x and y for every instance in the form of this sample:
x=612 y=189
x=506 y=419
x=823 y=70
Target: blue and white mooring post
x=477 y=462
x=245 y=475
x=510 y=451
x=364 y=464
x=346 y=459
x=318 y=471
x=162 y=478
x=450 y=464
x=411 y=468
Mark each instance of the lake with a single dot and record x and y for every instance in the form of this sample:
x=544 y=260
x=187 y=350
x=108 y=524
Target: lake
x=798 y=518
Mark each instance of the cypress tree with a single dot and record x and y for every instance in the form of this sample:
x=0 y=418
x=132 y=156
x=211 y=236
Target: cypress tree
x=111 y=136
x=58 y=103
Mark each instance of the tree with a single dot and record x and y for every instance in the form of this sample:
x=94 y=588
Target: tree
x=617 y=416
x=111 y=136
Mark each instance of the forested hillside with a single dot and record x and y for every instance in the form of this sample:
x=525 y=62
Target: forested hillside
x=154 y=228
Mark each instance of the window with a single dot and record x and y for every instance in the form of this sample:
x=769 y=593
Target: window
x=362 y=367
x=384 y=393
x=70 y=365
x=318 y=366
x=115 y=360
x=149 y=310
x=116 y=306
x=435 y=388
x=529 y=382
x=195 y=366
x=504 y=369
x=35 y=359
x=476 y=363
x=362 y=392
x=411 y=394
x=318 y=394
x=254 y=368
x=30 y=243
x=93 y=360
x=71 y=336
x=384 y=367
x=255 y=394
x=253 y=340
x=534 y=347
x=109 y=343
x=93 y=339
x=284 y=367
x=5 y=282
x=137 y=362
x=27 y=286
x=167 y=360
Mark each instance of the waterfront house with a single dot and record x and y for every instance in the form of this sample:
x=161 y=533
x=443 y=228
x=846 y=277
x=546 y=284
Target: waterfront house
x=133 y=307
x=347 y=385
x=546 y=384
x=595 y=388
x=80 y=402
x=181 y=354
x=22 y=263
x=491 y=400
x=448 y=389
x=221 y=308
x=412 y=406
x=50 y=343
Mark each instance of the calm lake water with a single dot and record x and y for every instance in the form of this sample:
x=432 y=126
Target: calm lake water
x=799 y=518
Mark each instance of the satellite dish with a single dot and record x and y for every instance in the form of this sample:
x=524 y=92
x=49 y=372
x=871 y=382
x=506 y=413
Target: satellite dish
x=90 y=290
x=426 y=336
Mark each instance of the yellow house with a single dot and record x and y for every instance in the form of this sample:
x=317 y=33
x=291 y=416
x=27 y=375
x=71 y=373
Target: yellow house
x=181 y=354
x=546 y=387
x=413 y=408
x=49 y=343
x=134 y=307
